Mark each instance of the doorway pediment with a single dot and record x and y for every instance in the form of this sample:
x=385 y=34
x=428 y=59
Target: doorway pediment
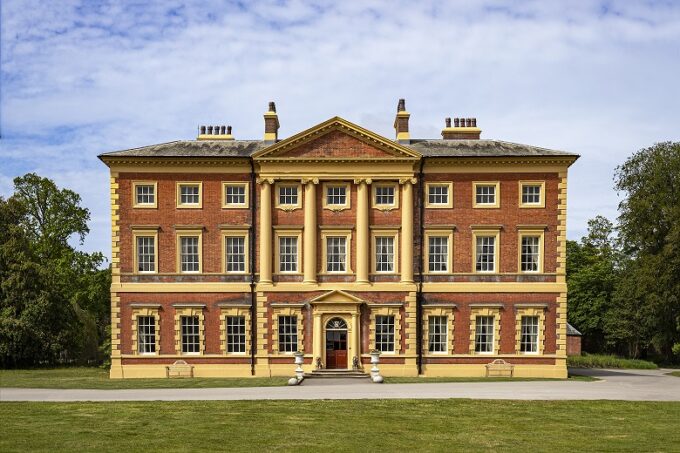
x=336 y=297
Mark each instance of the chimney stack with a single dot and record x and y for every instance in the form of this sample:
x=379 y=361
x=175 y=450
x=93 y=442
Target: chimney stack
x=271 y=124
x=401 y=123
x=214 y=133
x=463 y=129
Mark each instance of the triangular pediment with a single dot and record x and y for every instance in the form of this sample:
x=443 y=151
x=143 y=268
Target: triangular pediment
x=337 y=296
x=337 y=139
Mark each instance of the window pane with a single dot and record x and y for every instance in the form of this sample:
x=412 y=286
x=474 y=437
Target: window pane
x=438 y=253
x=486 y=194
x=189 y=194
x=384 y=254
x=146 y=334
x=484 y=333
x=336 y=254
x=437 y=333
x=235 y=251
x=530 y=253
x=189 y=255
x=288 y=335
x=529 y=340
x=531 y=194
x=145 y=194
x=146 y=254
x=235 y=194
x=190 y=334
x=384 y=333
x=336 y=195
x=288 y=254
x=438 y=194
x=486 y=253
x=288 y=195
x=236 y=334
x=384 y=195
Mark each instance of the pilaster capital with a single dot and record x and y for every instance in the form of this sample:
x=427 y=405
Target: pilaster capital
x=403 y=181
x=366 y=181
x=314 y=181
x=265 y=180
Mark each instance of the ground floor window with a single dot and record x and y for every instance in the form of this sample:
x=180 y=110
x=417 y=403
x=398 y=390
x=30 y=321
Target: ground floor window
x=146 y=334
x=437 y=333
x=236 y=334
x=288 y=334
x=384 y=333
x=484 y=334
x=529 y=340
x=190 y=335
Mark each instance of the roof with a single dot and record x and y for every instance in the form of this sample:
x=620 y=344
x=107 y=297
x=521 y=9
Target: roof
x=571 y=331
x=428 y=148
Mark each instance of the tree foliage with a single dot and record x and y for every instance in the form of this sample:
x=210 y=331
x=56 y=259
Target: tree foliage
x=54 y=301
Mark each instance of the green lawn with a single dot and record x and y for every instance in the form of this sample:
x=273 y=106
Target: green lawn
x=333 y=425
x=98 y=378
x=675 y=373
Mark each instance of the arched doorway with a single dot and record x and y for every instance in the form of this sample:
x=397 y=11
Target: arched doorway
x=336 y=343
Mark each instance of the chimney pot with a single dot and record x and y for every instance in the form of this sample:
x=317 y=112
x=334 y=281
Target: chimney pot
x=202 y=130
x=222 y=129
x=447 y=121
x=401 y=122
x=474 y=122
x=468 y=122
x=209 y=130
x=401 y=106
x=272 y=107
x=228 y=130
x=455 y=122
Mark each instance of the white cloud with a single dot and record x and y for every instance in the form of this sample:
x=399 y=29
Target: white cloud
x=596 y=78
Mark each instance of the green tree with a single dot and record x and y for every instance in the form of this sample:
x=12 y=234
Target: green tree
x=53 y=298
x=649 y=226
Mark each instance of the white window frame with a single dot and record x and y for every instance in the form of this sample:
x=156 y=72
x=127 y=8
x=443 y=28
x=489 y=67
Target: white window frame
x=433 y=233
x=497 y=194
x=541 y=201
x=391 y=346
x=246 y=198
x=178 y=188
x=232 y=335
x=287 y=206
x=449 y=187
x=336 y=185
x=430 y=334
x=142 y=336
x=385 y=233
x=185 y=234
x=153 y=233
x=288 y=339
x=536 y=342
x=497 y=246
x=242 y=234
x=135 y=203
x=384 y=206
x=540 y=234
x=478 y=334
x=289 y=233
x=347 y=234
x=184 y=335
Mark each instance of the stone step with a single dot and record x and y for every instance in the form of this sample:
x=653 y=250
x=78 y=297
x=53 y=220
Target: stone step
x=337 y=374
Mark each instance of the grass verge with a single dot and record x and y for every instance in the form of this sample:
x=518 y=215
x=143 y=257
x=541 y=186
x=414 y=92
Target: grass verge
x=98 y=378
x=608 y=361
x=337 y=425
x=675 y=373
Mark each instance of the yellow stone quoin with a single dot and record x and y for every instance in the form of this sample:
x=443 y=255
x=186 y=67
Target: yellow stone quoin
x=313 y=292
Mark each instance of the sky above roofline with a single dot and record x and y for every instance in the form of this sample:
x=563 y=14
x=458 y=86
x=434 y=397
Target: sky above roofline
x=596 y=78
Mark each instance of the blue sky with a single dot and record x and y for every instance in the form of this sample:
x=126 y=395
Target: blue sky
x=80 y=78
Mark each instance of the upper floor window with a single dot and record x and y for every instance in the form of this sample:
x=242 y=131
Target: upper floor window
x=146 y=334
x=146 y=253
x=439 y=195
x=235 y=195
x=531 y=194
x=384 y=253
x=144 y=194
x=235 y=254
x=438 y=253
x=189 y=254
x=485 y=253
x=530 y=254
x=336 y=196
x=529 y=340
x=486 y=194
x=385 y=196
x=288 y=334
x=484 y=332
x=189 y=194
x=288 y=254
x=336 y=254
x=384 y=333
x=288 y=195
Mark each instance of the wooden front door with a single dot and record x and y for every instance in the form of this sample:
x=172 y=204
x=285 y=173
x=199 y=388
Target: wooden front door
x=336 y=343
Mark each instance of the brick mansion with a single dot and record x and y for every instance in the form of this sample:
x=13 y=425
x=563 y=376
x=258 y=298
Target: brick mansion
x=444 y=254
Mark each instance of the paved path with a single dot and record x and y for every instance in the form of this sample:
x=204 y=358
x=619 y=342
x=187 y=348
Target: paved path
x=631 y=385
